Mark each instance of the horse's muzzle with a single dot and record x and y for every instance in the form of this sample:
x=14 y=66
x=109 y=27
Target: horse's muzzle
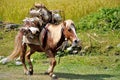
x=75 y=43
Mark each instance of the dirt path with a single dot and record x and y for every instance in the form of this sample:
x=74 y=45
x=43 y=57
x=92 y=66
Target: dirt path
x=20 y=76
x=10 y=72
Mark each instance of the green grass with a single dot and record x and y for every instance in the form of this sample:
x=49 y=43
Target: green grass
x=107 y=38
x=16 y=10
x=70 y=68
x=6 y=42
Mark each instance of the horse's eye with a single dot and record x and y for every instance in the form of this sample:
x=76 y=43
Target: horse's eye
x=43 y=14
x=69 y=30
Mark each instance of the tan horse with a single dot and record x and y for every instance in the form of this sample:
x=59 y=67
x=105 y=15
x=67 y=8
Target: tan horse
x=51 y=38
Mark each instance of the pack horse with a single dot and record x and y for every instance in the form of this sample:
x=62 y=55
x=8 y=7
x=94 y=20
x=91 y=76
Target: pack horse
x=48 y=40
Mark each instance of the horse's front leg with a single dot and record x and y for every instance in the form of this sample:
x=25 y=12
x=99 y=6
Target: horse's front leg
x=51 y=67
x=29 y=53
x=22 y=57
x=51 y=57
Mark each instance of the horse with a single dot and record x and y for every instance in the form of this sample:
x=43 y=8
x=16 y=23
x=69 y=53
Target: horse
x=51 y=38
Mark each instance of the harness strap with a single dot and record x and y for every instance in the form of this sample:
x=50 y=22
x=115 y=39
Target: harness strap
x=43 y=34
x=63 y=46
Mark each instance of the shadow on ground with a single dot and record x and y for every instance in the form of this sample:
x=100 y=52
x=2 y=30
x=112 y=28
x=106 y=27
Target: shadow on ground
x=86 y=76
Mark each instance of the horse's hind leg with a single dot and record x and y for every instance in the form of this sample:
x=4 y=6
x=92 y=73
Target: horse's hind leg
x=22 y=57
x=29 y=61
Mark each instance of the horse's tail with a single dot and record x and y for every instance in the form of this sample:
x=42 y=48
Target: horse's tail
x=17 y=48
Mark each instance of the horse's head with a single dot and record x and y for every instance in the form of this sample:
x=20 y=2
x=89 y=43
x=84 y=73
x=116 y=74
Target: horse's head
x=70 y=33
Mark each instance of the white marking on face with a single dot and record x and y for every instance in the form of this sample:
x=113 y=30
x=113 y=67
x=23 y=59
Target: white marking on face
x=73 y=29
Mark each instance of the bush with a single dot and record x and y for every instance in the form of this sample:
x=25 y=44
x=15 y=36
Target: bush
x=104 y=19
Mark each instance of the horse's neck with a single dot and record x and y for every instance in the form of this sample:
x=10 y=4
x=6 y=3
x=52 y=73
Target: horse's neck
x=55 y=33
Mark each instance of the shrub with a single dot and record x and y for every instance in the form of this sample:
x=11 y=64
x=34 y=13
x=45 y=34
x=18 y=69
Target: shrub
x=103 y=19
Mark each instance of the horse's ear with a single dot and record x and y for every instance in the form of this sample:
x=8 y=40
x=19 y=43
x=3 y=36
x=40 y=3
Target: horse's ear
x=64 y=23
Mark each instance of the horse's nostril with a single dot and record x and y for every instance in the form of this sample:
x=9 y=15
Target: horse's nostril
x=76 y=41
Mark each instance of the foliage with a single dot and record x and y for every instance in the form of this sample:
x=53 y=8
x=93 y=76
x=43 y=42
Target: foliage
x=104 y=19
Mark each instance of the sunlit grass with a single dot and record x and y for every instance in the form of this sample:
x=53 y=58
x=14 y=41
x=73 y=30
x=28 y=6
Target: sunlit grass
x=17 y=10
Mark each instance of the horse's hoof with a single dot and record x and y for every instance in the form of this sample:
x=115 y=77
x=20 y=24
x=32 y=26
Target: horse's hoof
x=26 y=73
x=30 y=72
x=54 y=77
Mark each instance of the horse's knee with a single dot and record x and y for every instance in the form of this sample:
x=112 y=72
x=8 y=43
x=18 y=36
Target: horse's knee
x=53 y=62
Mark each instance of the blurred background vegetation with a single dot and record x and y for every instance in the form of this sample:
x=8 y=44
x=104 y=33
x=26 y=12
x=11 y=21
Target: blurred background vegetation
x=16 y=10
